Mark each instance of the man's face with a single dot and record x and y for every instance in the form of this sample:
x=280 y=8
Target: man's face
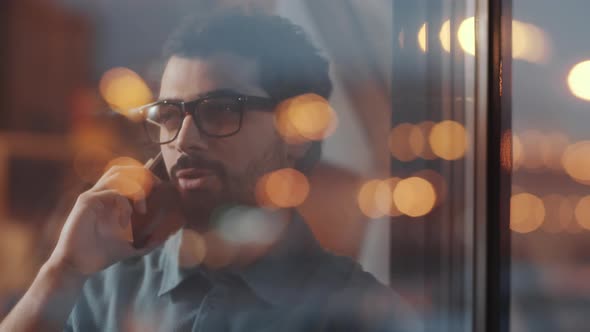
x=210 y=171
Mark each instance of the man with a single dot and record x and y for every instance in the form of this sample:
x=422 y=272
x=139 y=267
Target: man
x=224 y=78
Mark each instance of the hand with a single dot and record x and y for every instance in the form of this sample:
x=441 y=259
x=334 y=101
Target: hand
x=98 y=232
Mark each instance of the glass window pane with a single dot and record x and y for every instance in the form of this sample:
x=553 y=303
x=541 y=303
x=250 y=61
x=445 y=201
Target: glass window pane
x=366 y=162
x=549 y=190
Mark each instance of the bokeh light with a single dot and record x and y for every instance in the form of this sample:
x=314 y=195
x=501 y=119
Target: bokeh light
x=557 y=208
x=414 y=196
x=245 y=225
x=418 y=140
x=423 y=37
x=384 y=197
x=220 y=253
x=527 y=212
x=552 y=149
x=578 y=80
x=123 y=89
x=307 y=117
x=399 y=142
x=193 y=249
x=576 y=161
x=466 y=35
x=573 y=226
x=582 y=212
x=134 y=183
x=448 y=140
x=367 y=199
x=437 y=181
x=532 y=158
x=445 y=35
x=530 y=42
x=283 y=188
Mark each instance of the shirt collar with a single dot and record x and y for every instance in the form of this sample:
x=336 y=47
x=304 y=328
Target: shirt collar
x=172 y=273
x=279 y=276
x=276 y=277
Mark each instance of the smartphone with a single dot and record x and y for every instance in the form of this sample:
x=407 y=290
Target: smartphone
x=162 y=216
x=157 y=167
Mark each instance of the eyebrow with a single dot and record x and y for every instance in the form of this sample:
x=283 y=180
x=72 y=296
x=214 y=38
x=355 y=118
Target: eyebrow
x=213 y=93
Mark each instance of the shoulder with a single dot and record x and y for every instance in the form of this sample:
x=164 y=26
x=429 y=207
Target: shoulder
x=108 y=291
x=357 y=299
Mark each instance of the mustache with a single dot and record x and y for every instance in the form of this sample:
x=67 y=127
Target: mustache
x=197 y=162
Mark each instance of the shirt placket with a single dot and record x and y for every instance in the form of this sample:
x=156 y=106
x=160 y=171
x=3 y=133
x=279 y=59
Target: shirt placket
x=209 y=317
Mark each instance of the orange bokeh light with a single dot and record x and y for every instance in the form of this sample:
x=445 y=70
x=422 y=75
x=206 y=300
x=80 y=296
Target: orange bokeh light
x=527 y=212
x=367 y=199
x=437 y=181
x=283 y=188
x=307 y=117
x=414 y=196
x=448 y=140
x=582 y=212
x=419 y=140
x=399 y=142
x=532 y=158
x=123 y=89
x=576 y=161
x=552 y=150
x=384 y=197
x=135 y=183
x=192 y=250
x=558 y=212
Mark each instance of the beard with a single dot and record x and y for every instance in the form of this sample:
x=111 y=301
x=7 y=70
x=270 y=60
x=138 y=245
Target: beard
x=198 y=206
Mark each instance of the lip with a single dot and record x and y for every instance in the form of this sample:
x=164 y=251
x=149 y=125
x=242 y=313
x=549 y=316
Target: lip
x=194 y=178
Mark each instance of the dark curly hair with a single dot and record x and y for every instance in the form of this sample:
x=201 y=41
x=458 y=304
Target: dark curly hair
x=290 y=65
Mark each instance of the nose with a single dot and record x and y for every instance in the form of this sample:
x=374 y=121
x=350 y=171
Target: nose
x=189 y=139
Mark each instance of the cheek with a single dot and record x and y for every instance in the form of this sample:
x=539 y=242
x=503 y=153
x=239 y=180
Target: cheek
x=251 y=147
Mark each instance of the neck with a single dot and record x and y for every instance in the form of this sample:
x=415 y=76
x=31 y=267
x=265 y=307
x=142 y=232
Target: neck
x=237 y=236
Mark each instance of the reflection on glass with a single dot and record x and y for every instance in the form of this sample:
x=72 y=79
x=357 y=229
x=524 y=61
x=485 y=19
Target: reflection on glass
x=414 y=196
x=445 y=35
x=123 y=89
x=527 y=213
x=449 y=140
x=466 y=35
x=423 y=37
x=579 y=80
x=530 y=43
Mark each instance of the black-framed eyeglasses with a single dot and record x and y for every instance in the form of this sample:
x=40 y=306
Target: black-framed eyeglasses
x=215 y=115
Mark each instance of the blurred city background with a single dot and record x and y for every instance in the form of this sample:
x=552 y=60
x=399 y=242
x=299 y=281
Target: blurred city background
x=395 y=186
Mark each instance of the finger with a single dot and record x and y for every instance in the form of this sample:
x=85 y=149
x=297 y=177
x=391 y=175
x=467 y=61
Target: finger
x=136 y=174
x=125 y=186
x=140 y=205
x=125 y=211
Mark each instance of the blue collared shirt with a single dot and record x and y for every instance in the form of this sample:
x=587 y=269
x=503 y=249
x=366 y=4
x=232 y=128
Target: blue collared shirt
x=297 y=286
